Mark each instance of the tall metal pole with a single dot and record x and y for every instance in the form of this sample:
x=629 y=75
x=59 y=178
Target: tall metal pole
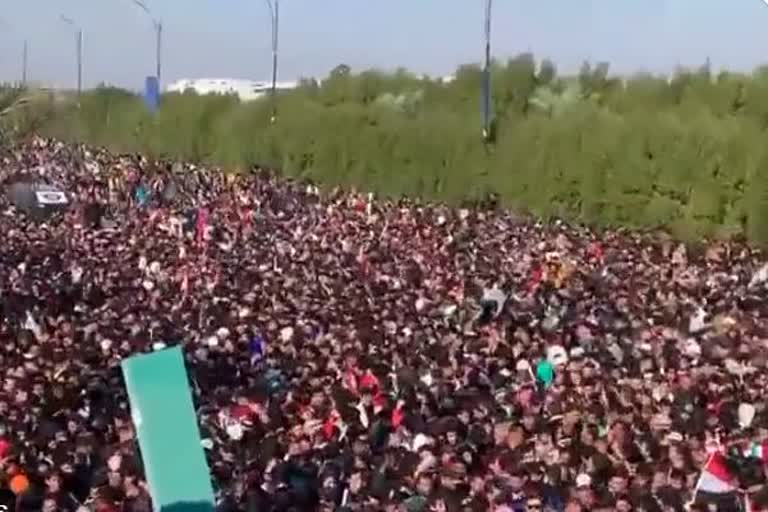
x=486 y=99
x=158 y=26
x=488 y=8
x=158 y=49
x=24 y=52
x=78 y=51
x=24 y=60
x=274 y=10
x=79 y=61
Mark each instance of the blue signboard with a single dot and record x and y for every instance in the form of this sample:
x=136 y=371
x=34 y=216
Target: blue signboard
x=152 y=93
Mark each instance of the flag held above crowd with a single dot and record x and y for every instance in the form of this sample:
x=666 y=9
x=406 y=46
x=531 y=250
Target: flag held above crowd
x=168 y=433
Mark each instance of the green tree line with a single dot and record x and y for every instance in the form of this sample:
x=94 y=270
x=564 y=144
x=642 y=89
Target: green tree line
x=685 y=152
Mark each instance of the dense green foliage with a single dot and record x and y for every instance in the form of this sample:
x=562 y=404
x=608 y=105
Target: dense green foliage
x=22 y=111
x=686 y=153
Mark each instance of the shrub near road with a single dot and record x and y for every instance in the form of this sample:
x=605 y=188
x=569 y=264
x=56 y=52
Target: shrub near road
x=685 y=153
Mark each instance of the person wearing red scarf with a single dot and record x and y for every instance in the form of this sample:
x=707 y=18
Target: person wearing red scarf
x=331 y=424
x=535 y=280
x=369 y=381
x=398 y=415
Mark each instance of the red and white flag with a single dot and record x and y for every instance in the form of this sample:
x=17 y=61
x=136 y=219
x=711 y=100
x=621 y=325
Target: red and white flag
x=715 y=477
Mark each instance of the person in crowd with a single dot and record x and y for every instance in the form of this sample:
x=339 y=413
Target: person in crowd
x=348 y=353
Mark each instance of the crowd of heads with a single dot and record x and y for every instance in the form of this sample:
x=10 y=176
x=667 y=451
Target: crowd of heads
x=352 y=353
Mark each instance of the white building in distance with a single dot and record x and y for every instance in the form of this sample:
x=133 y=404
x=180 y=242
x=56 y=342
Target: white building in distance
x=246 y=90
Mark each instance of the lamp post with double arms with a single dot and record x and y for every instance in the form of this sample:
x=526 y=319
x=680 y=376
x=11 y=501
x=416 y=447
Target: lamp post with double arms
x=78 y=50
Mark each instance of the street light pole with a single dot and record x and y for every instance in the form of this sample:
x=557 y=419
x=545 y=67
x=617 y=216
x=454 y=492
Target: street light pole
x=24 y=61
x=274 y=10
x=79 y=61
x=158 y=49
x=24 y=53
x=486 y=91
x=78 y=51
x=158 y=26
x=488 y=8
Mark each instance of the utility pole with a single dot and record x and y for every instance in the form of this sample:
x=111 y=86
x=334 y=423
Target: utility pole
x=79 y=61
x=24 y=62
x=158 y=49
x=78 y=51
x=24 y=52
x=486 y=80
x=157 y=24
x=274 y=10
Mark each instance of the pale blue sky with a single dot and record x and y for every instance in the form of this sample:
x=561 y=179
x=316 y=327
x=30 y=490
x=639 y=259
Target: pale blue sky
x=231 y=38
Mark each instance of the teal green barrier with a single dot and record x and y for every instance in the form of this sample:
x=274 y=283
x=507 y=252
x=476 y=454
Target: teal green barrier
x=166 y=426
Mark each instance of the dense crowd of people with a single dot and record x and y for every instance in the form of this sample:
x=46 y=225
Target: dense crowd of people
x=349 y=353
